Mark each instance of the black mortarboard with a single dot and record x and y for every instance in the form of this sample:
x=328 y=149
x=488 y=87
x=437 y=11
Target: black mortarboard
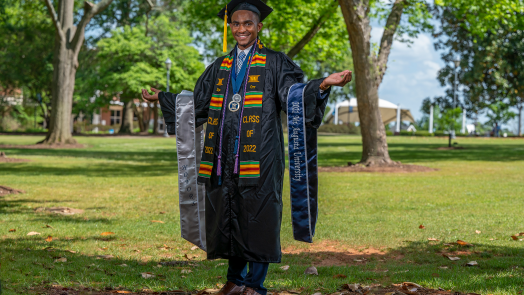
x=256 y=6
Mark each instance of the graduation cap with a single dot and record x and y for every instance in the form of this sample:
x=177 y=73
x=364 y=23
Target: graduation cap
x=255 y=6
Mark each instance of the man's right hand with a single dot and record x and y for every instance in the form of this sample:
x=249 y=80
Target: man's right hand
x=149 y=97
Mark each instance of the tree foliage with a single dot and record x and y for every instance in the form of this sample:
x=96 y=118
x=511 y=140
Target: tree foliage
x=26 y=53
x=491 y=60
x=129 y=60
x=290 y=21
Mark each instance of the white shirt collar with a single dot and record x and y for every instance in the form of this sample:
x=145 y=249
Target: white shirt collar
x=246 y=51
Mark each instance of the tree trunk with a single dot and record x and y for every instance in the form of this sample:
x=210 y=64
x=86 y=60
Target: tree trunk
x=374 y=143
x=127 y=118
x=369 y=71
x=68 y=41
x=139 y=111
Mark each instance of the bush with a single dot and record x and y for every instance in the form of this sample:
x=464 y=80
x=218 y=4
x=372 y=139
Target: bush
x=342 y=129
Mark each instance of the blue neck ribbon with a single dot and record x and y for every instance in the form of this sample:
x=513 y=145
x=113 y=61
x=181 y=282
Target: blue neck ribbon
x=236 y=81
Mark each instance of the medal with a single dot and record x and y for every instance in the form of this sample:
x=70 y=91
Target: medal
x=234 y=106
x=237 y=97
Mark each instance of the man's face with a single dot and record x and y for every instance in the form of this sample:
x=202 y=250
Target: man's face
x=245 y=27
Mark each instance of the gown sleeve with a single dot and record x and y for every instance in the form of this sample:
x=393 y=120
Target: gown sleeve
x=288 y=74
x=202 y=98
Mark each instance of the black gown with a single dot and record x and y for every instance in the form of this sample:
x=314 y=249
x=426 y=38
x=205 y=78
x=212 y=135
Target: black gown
x=245 y=222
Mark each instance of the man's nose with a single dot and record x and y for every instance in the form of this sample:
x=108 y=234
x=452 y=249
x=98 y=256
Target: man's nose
x=242 y=28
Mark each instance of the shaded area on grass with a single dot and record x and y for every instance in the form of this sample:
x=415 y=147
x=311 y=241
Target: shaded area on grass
x=31 y=261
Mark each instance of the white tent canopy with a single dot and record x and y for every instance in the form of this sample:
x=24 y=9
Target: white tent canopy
x=347 y=111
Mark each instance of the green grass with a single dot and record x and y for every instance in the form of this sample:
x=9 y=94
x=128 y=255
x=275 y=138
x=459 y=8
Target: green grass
x=124 y=183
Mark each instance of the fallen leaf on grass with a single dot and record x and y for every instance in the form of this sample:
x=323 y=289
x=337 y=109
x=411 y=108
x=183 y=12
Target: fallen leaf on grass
x=436 y=275
x=352 y=287
x=421 y=226
x=410 y=284
x=186 y=271
x=49 y=239
x=220 y=264
x=194 y=248
x=340 y=276
x=452 y=258
x=71 y=251
x=411 y=288
x=33 y=233
x=105 y=256
x=162 y=212
x=190 y=257
x=47 y=226
x=157 y=221
x=107 y=233
x=462 y=243
x=12 y=230
x=472 y=263
x=147 y=275
x=61 y=259
x=311 y=271
x=122 y=292
x=317 y=293
x=433 y=239
x=478 y=232
x=123 y=265
x=285 y=267
x=443 y=267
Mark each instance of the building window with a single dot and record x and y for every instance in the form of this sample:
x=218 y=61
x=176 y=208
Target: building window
x=115 y=117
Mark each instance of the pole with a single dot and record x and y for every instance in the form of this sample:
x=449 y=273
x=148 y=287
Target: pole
x=454 y=102
x=520 y=121
x=398 y=120
x=431 y=119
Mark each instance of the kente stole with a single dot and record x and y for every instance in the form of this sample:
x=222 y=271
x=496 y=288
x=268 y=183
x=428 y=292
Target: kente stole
x=247 y=157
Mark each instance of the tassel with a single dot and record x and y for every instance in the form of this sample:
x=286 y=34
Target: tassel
x=236 y=165
x=225 y=31
x=236 y=146
x=219 y=166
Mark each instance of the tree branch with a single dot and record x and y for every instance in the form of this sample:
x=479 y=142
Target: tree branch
x=387 y=37
x=54 y=17
x=313 y=31
x=90 y=10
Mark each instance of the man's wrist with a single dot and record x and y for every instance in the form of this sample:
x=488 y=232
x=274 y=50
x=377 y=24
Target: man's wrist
x=323 y=86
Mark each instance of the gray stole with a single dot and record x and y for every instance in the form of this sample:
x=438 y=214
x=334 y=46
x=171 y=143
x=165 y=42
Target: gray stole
x=190 y=142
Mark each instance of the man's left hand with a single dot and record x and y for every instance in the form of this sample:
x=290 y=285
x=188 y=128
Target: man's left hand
x=337 y=79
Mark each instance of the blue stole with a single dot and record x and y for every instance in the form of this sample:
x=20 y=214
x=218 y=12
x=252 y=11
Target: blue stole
x=236 y=81
x=303 y=172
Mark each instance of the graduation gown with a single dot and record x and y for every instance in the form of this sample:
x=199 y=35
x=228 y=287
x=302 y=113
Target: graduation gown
x=245 y=222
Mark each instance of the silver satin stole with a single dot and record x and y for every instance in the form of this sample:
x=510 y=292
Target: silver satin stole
x=190 y=142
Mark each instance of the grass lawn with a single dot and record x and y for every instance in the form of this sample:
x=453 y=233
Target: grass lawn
x=125 y=183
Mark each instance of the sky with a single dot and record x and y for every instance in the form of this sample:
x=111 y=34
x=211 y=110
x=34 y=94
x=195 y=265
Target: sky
x=412 y=71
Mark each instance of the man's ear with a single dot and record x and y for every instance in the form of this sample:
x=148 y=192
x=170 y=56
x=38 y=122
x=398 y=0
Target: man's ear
x=260 y=25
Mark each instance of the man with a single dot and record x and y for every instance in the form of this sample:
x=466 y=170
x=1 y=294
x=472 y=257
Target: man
x=241 y=97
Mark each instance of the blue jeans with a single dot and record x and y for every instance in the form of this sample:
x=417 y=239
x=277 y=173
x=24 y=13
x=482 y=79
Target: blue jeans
x=237 y=274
